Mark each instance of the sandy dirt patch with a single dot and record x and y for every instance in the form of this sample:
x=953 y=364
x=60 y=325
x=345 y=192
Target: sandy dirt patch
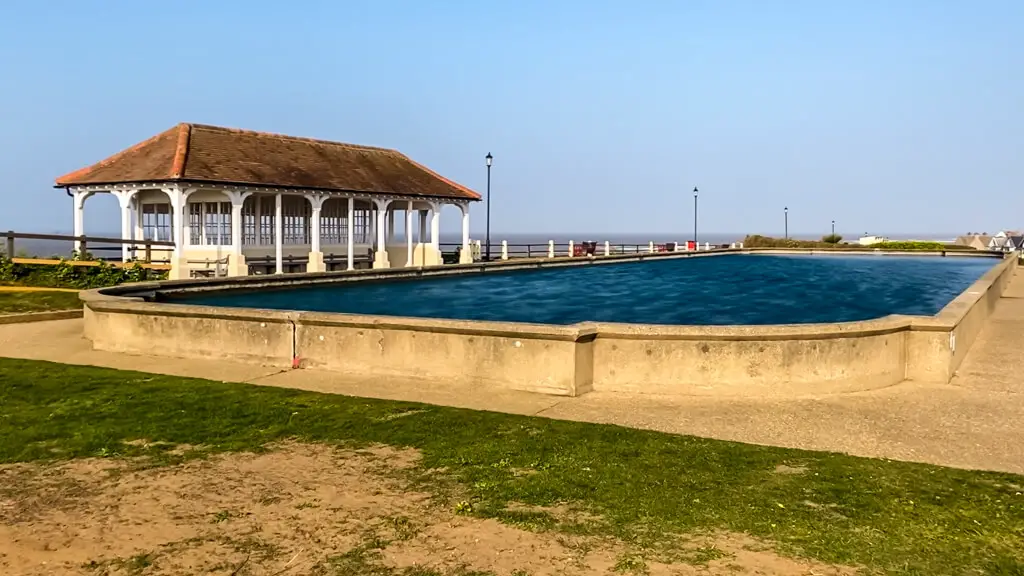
x=301 y=509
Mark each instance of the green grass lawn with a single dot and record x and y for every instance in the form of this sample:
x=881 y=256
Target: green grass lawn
x=12 y=302
x=887 y=517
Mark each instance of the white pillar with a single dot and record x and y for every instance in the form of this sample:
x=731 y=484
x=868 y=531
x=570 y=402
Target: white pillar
x=178 y=201
x=278 y=234
x=79 y=198
x=551 y=248
x=465 y=253
x=435 y=227
x=315 y=260
x=650 y=247
x=350 y=226
x=314 y=227
x=408 y=234
x=707 y=246
x=504 y=249
x=236 y=262
x=570 y=249
x=607 y=248
x=380 y=257
x=237 y=202
x=124 y=200
x=372 y=212
x=138 y=233
x=381 y=228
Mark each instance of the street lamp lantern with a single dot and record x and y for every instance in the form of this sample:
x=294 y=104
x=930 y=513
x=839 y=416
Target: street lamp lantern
x=694 y=216
x=487 y=239
x=785 y=211
x=833 y=229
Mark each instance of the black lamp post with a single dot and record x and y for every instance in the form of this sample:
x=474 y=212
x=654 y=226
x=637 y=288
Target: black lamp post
x=694 y=216
x=785 y=211
x=487 y=238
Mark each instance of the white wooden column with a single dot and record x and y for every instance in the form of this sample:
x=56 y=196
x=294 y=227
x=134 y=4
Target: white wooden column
x=138 y=233
x=315 y=263
x=124 y=200
x=408 y=233
x=278 y=235
x=382 y=215
x=351 y=229
x=465 y=226
x=372 y=213
x=380 y=257
x=177 y=197
x=80 y=197
x=435 y=226
x=316 y=202
x=237 y=202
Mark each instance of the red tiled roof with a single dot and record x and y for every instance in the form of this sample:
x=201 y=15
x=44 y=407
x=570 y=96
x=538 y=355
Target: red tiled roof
x=200 y=153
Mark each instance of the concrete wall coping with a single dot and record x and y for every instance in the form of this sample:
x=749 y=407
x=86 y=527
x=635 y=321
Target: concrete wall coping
x=810 y=331
x=571 y=332
x=954 y=312
x=136 y=306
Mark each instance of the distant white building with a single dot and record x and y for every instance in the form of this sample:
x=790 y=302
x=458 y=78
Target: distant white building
x=869 y=240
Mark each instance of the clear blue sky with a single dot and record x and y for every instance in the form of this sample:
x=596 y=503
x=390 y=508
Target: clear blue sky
x=886 y=115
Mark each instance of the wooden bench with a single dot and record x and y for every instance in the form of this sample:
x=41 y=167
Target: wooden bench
x=221 y=268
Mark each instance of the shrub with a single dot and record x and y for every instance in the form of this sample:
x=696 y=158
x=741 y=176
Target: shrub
x=832 y=239
x=64 y=275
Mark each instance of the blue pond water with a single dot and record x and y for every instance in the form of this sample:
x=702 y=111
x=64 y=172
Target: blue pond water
x=735 y=289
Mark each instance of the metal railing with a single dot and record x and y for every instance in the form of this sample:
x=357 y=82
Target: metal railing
x=562 y=249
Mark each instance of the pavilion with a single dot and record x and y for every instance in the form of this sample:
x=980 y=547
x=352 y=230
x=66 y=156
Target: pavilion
x=224 y=195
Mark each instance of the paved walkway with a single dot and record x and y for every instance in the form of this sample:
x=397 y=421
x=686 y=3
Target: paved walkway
x=976 y=421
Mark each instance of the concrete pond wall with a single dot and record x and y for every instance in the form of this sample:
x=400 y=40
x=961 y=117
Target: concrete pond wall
x=754 y=361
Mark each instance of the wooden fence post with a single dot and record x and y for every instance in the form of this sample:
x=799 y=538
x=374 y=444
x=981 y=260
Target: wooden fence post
x=10 y=244
x=149 y=251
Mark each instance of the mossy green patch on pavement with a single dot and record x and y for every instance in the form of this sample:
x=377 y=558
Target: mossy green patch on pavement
x=645 y=488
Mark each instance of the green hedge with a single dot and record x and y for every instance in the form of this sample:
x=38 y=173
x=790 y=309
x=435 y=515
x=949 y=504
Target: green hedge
x=64 y=275
x=757 y=241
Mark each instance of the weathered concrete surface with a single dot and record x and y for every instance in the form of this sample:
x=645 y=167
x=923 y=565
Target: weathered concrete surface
x=25 y=317
x=976 y=421
x=781 y=361
x=534 y=358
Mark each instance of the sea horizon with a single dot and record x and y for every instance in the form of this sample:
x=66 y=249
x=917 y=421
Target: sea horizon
x=64 y=248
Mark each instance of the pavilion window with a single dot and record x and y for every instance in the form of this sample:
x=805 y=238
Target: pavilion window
x=156 y=222
x=249 y=221
x=333 y=228
x=265 y=217
x=296 y=213
x=210 y=223
x=361 y=221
